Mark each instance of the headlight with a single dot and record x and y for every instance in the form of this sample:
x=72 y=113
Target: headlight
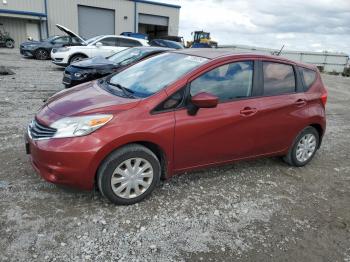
x=62 y=49
x=80 y=75
x=80 y=125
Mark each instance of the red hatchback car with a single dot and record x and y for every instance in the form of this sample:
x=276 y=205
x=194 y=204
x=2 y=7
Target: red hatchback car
x=175 y=112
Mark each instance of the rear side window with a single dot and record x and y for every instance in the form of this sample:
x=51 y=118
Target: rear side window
x=128 y=42
x=309 y=77
x=278 y=79
x=227 y=82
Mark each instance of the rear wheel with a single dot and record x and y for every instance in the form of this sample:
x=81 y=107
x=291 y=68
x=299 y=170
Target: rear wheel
x=41 y=54
x=10 y=43
x=129 y=174
x=304 y=148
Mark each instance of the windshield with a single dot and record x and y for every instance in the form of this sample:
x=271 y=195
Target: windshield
x=173 y=44
x=149 y=76
x=50 y=38
x=128 y=56
x=90 y=40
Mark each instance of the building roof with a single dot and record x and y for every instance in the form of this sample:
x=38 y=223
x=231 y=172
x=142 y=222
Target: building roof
x=156 y=3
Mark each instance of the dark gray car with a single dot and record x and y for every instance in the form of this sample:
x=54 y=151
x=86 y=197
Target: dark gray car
x=41 y=49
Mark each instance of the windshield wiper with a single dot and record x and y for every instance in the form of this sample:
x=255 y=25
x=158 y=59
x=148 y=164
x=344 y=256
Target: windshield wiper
x=128 y=92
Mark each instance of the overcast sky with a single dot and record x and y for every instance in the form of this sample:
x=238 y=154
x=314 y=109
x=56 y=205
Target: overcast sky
x=314 y=25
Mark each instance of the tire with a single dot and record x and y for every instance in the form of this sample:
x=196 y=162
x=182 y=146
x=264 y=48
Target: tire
x=10 y=43
x=115 y=167
x=41 y=54
x=76 y=58
x=298 y=154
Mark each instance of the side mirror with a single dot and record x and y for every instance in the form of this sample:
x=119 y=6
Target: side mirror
x=202 y=100
x=99 y=44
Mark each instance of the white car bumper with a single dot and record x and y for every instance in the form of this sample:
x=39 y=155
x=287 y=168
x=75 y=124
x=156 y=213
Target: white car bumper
x=59 y=58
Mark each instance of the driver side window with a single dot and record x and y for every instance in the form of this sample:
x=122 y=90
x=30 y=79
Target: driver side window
x=61 y=40
x=108 y=41
x=227 y=82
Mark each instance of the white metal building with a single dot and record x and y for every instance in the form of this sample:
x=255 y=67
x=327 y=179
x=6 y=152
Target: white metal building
x=37 y=18
x=326 y=61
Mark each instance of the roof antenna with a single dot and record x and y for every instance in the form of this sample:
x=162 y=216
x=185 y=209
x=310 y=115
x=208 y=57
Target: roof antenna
x=279 y=52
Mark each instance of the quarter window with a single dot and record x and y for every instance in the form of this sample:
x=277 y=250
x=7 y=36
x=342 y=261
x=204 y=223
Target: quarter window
x=309 y=77
x=278 y=78
x=227 y=82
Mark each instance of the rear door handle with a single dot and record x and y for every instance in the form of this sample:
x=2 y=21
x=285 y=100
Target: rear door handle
x=300 y=102
x=248 y=111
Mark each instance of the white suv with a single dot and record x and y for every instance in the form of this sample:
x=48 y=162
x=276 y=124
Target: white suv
x=104 y=45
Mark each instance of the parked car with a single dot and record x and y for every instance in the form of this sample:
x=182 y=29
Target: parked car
x=41 y=49
x=105 y=45
x=178 y=39
x=97 y=67
x=166 y=43
x=176 y=112
x=135 y=35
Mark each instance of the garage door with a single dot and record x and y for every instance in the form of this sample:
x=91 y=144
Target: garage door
x=153 y=20
x=95 y=21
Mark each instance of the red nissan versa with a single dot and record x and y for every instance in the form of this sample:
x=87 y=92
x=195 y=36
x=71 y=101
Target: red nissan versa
x=175 y=112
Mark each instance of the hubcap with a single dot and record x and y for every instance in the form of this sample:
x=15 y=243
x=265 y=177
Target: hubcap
x=132 y=178
x=306 y=147
x=42 y=54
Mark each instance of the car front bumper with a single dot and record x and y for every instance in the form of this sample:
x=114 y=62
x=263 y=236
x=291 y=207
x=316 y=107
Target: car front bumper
x=59 y=62
x=59 y=58
x=26 y=52
x=65 y=161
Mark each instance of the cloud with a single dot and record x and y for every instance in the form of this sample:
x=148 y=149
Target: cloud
x=312 y=25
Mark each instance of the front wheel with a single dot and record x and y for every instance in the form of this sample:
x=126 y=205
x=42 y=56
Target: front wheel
x=129 y=174
x=304 y=147
x=41 y=54
x=10 y=43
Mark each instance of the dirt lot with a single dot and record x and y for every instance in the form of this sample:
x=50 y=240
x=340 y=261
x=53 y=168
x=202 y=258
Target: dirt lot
x=259 y=210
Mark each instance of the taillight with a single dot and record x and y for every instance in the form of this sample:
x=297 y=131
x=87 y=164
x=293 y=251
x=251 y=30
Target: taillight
x=324 y=97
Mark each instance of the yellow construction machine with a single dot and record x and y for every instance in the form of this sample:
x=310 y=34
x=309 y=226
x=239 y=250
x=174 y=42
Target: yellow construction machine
x=201 y=39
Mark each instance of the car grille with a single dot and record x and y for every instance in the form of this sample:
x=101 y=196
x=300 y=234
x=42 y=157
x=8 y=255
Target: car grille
x=39 y=131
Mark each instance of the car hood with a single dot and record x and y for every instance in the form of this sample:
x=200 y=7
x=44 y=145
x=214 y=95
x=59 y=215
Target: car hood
x=95 y=62
x=32 y=43
x=70 y=33
x=88 y=98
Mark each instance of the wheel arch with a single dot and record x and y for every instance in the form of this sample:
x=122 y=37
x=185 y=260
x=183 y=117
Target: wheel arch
x=320 y=132
x=75 y=54
x=158 y=150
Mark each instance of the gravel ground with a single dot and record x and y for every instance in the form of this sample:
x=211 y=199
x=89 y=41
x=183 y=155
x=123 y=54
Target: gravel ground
x=260 y=210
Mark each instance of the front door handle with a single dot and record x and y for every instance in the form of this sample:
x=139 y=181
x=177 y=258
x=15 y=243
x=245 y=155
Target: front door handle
x=300 y=102
x=248 y=111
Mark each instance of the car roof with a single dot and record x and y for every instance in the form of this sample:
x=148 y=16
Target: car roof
x=125 y=37
x=154 y=48
x=213 y=53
